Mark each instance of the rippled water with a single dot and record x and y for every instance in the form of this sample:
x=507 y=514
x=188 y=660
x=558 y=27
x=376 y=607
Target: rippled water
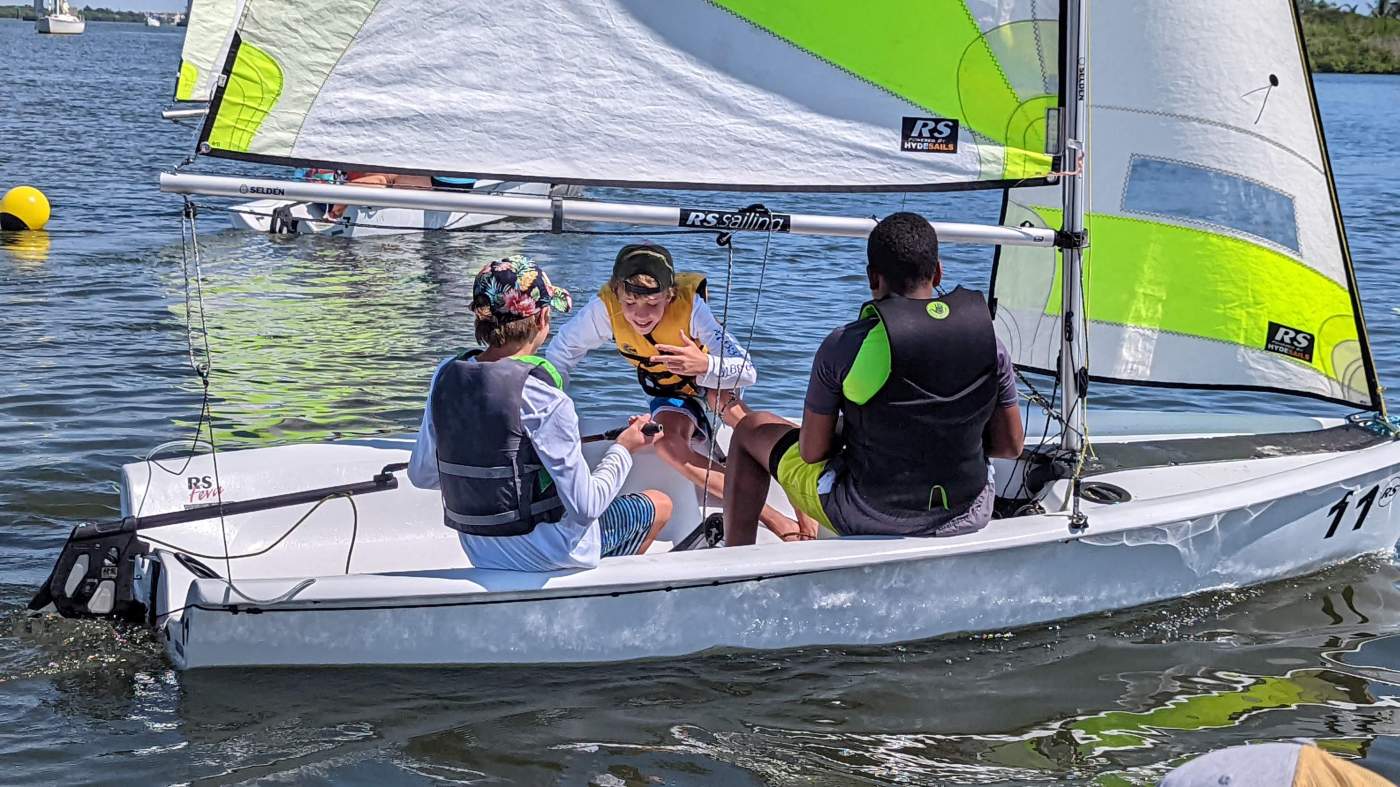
x=317 y=338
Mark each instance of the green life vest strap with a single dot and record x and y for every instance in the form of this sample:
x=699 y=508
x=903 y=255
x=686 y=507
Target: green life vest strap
x=536 y=361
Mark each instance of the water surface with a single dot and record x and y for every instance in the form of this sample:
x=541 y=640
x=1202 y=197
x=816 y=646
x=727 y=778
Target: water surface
x=318 y=338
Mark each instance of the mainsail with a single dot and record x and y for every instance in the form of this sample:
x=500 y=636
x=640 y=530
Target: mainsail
x=791 y=95
x=209 y=23
x=1216 y=255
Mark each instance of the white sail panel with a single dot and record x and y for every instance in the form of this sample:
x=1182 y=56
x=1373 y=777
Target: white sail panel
x=1216 y=257
x=208 y=25
x=751 y=94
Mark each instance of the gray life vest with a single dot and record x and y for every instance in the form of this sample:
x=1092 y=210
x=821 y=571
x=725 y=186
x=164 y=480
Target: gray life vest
x=918 y=399
x=492 y=481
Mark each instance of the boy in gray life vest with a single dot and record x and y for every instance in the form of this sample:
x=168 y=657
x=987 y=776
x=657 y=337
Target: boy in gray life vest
x=927 y=393
x=500 y=438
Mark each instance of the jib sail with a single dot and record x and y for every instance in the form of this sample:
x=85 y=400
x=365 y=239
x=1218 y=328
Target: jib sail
x=1216 y=251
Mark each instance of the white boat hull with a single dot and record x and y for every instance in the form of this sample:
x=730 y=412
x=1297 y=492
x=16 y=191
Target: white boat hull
x=60 y=25
x=412 y=598
x=302 y=218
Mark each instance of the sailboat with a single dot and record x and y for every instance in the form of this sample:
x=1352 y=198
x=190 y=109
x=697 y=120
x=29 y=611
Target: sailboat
x=208 y=26
x=152 y=21
x=61 y=21
x=1193 y=241
x=294 y=217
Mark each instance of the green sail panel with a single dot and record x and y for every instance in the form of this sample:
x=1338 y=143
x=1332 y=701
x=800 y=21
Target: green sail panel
x=252 y=88
x=1192 y=287
x=733 y=94
x=939 y=59
x=1216 y=254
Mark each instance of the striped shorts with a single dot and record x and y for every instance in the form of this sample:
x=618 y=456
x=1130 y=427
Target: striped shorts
x=625 y=524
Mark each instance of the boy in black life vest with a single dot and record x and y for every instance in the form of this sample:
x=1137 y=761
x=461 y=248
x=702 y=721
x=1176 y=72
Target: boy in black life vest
x=661 y=324
x=500 y=438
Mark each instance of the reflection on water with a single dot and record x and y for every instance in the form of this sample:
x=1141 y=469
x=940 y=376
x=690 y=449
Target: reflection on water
x=27 y=249
x=314 y=338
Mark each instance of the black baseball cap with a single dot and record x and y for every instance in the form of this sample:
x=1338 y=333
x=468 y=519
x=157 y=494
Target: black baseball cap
x=650 y=258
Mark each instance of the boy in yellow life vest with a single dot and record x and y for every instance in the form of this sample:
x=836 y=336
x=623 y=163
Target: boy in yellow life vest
x=661 y=324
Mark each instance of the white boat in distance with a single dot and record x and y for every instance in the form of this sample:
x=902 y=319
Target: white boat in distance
x=289 y=217
x=152 y=22
x=60 y=21
x=1208 y=254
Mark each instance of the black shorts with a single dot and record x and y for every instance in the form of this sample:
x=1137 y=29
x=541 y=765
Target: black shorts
x=779 y=448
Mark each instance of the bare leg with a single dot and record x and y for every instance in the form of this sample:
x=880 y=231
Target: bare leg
x=411 y=182
x=375 y=180
x=733 y=410
x=748 y=478
x=663 y=515
x=674 y=448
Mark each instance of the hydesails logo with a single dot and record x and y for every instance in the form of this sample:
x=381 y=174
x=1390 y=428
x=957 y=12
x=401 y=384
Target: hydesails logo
x=1290 y=341
x=929 y=135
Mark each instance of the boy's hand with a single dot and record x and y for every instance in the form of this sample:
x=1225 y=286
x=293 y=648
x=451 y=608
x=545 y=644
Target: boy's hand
x=633 y=438
x=686 y=359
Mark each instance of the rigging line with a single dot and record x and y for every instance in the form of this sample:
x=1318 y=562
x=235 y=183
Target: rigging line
x=150 y=461
x=727 y=239
x=204 y=370
x=199 y=425
x=1050 y=413
x=758 y=296
x=195 y=441
x=354 y=519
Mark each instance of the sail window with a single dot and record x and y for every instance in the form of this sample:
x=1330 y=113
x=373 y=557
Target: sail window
x=1162 y=187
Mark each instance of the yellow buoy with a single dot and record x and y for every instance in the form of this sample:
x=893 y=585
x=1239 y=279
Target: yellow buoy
x=24 y=208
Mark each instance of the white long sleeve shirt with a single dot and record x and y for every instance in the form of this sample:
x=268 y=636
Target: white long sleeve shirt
x=549 y=419
x=590 y=329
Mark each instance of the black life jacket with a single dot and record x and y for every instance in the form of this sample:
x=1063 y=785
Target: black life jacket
x=918 y=398
x=492 y=481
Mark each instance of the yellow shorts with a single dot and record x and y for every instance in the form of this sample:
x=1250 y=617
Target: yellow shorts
x=797 y=478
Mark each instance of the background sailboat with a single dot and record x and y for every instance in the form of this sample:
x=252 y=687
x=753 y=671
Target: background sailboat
x=55 y=17
x=208 y=36
x=209 y=24
x=1120 y=508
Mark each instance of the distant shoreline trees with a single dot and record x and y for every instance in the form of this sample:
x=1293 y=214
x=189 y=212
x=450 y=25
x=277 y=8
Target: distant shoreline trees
x=1341 y=39
x=90 y=14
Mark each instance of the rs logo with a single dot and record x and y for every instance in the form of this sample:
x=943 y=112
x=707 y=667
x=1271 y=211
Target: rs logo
x=926 y=128
x=1298 y=339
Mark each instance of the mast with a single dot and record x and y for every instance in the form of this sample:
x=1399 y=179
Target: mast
x=1073 y=365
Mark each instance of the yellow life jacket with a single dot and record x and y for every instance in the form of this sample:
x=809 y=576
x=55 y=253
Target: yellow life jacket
x=638 y=348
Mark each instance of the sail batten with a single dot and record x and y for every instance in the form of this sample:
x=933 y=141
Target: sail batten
x=744 y=95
